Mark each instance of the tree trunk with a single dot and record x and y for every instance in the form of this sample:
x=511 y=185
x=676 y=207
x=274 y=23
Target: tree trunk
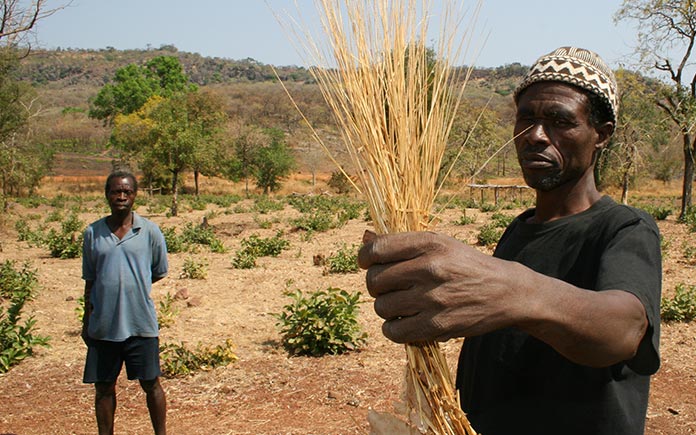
x=195 y=181
x=689 y=153
x=175 y=193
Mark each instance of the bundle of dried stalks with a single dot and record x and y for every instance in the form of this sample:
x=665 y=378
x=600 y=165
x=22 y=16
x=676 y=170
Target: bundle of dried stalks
x=394 y=99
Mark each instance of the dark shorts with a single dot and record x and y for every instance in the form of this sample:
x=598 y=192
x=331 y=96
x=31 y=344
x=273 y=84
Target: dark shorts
x=105 y=359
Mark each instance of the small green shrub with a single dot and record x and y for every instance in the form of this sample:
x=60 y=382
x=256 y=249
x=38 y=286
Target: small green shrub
x=690 y=253
x=26 y=234
x=66 y=243
x=175 y=243
x=54 y=216
x=194 y=269
x=198 y=203
x=689 y=218
x=179 y=361
x=255 y=246
x=681 y=307
x=345 y=260
x=192 y=235
x=501 y=220
x=464 y=219
x=244 y=259
x=264 y=205
x=202 y=235
x=17 y=338
x=314 y=222
x=324 y=322
x=489 y=234
x=265 y=247
x=658 y=212
x=166 y=311
x=80 y=308
x=488 y=207
x=339 y=182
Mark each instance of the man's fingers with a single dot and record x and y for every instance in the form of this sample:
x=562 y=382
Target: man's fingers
x=397 y=304
x=385 y=278
x=389 y=248
x=411 y=329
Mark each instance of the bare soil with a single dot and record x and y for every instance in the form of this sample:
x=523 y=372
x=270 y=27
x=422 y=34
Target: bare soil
x=266 y=391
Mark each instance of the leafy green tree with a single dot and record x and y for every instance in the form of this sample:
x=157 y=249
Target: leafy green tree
x=133 y=85
x=666 y=27
x=476 y=137
x=173 y=133
x=273 y=162
x=240 y=163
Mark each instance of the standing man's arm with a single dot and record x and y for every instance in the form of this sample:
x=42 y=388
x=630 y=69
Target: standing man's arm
x=87 y=311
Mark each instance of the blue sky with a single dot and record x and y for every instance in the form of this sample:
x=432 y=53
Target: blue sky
x=517 y=31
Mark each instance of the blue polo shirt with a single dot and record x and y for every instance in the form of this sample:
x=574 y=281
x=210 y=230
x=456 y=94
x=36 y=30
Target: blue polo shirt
x=122 y=271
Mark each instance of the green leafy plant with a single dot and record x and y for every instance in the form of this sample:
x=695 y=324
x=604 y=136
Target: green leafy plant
x=314 y=222
x=194 y=269
x=501 y=220
x=658 y=212
x=689 y=218
x=244 y=259
x=192 y=235
x=80 y=308
x=264 y=205
x=166 y=311
x=323 y=322
x=464 y=219
x=178 y=360
x=202 y=235
x=265 y=247
x=489 y=234
x=26 y=234
x=66 y=243
x=345 y=260
x=339 y=182
x=255 y=246
x=681 y=307
x=17 y=337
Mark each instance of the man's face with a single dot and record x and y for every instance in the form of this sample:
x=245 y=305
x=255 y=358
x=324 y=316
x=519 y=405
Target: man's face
x=554 y=138
x=121 y=195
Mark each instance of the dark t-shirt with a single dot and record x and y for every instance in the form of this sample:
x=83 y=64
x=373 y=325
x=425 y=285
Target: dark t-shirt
x=512 y=383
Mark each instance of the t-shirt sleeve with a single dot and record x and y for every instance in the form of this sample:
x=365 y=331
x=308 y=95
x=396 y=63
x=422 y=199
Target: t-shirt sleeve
x=88 y=267
x=633 y=262
x=160 y=266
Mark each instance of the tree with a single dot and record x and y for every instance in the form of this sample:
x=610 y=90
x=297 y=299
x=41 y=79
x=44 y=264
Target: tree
x=19 y=18
x=239 y=165
x=133 y=85
x=273 y=162
x=174 y=133
x=666 y=27
x=22 y=162
x=642 y=134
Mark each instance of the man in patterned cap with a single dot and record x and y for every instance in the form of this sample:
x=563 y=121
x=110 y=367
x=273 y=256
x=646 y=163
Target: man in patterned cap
x=562 y=322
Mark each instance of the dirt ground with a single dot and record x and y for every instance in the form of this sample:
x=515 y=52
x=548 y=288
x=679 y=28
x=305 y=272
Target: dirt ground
x=266 y=391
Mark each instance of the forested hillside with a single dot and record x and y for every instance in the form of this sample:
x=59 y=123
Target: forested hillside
x=66 y=82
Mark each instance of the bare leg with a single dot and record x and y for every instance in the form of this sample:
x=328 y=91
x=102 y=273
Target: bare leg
x=105 y=406
x=156 y=404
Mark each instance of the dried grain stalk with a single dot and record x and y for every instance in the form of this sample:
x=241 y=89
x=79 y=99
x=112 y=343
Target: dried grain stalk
x=394 y=99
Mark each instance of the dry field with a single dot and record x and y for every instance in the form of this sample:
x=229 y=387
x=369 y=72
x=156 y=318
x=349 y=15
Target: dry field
x=265 y=391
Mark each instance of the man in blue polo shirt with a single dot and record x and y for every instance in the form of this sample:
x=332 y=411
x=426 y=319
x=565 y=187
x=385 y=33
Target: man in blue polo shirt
x=123 y=254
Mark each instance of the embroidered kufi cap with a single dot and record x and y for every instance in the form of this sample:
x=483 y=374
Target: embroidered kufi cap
x=579 y=67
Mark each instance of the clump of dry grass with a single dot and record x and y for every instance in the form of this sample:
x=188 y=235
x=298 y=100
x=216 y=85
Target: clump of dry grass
x=394 y=99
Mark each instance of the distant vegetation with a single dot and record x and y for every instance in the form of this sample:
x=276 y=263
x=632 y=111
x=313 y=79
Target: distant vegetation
x=257 y=110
